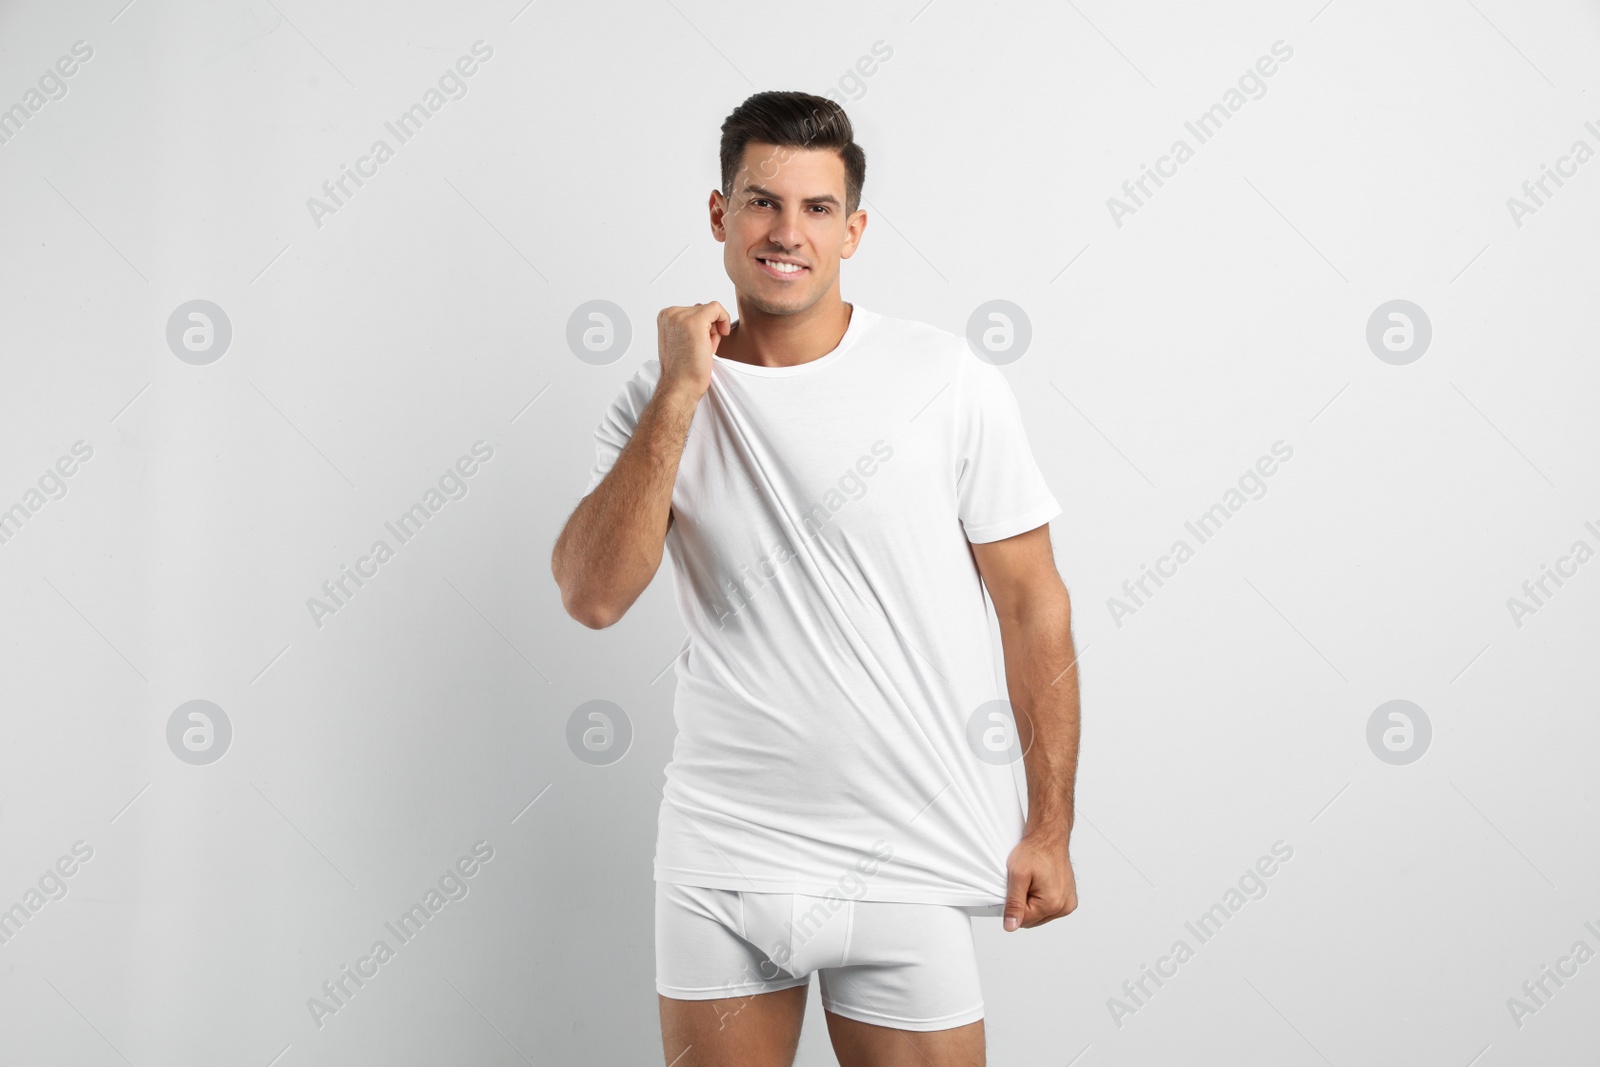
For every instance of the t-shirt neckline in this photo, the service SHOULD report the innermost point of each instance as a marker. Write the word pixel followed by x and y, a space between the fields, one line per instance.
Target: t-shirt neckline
pixel 858 317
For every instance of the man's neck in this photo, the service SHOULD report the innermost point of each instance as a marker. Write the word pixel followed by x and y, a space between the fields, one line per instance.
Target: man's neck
pixel 764 340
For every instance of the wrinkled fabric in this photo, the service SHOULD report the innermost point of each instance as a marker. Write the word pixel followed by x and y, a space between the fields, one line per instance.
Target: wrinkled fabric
pixel 839 647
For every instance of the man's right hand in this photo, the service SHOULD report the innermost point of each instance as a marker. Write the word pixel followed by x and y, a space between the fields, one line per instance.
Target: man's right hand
pixel 687 338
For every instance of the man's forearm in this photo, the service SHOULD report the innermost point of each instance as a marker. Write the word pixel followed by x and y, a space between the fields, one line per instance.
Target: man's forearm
pixel 1042 681
pixel 637 496
pixel 611 545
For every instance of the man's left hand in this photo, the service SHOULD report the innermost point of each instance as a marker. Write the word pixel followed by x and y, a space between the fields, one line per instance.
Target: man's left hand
pixel 1039 882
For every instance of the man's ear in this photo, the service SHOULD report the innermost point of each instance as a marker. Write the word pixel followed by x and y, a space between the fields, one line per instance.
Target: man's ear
pixel 853 241
pixel 718 208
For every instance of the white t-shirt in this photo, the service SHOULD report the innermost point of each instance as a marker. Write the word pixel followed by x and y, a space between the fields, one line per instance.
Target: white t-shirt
pixel 839 644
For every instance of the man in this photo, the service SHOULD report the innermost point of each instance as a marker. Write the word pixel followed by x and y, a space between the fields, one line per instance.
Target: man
pixel 837 487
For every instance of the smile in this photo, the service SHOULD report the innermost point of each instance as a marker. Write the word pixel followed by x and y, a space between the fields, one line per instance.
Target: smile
pixel 782 270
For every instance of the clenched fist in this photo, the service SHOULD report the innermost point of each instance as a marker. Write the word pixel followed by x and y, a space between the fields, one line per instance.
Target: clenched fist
pixel 687 338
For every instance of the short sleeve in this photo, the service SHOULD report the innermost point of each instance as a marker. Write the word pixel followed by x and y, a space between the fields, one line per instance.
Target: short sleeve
pixel 1000 490
pixel 620 419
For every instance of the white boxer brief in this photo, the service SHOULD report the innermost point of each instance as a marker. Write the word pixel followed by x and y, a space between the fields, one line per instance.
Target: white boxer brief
pixel 909 966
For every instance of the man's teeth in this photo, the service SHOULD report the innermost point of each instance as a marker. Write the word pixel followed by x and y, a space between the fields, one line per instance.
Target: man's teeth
pixel 784 268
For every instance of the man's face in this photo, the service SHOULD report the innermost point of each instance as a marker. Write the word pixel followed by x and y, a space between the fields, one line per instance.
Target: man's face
pixel 786 207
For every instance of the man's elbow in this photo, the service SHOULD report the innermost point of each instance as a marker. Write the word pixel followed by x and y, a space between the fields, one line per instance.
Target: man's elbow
pixel 589 611
pixel 596 619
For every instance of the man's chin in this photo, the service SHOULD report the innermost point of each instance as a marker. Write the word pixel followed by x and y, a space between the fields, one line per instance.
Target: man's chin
pixel 763 301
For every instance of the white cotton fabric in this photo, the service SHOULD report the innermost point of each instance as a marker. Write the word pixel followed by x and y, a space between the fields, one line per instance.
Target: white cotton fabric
pixel 838 639
pixel 888 963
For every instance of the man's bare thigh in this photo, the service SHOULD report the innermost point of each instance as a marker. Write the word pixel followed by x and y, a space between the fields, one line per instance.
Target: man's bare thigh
pixel 756 1031
pixel 764 1031
pixel 858 1044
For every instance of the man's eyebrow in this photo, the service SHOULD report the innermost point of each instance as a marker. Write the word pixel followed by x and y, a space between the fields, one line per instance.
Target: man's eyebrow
pixel 757 190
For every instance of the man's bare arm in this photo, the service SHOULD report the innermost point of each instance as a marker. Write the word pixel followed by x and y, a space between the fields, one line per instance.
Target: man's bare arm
pixel 611 545
pixel 1035 616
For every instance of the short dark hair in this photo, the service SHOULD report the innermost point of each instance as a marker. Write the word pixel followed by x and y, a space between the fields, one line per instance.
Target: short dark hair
pixel 793 120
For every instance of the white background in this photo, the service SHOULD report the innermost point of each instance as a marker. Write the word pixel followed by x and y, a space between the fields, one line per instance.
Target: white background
pixel 430 311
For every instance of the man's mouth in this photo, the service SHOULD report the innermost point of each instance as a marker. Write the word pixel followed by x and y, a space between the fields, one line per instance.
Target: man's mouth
pixel 781 269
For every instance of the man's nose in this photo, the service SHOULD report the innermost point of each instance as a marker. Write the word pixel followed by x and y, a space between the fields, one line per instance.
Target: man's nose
pixel 786 232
